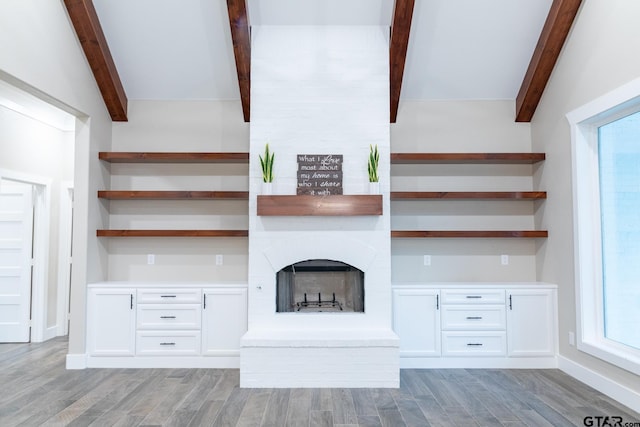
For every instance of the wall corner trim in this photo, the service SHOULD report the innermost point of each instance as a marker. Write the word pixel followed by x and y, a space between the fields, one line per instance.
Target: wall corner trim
pixel 76 361
pixel 605 385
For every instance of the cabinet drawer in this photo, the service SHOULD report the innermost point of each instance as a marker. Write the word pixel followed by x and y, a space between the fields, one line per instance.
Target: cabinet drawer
pixel 474 344
pixel 470 296
pixel 169 296
pixel 166 343
pixel 473 317
pixel 168 316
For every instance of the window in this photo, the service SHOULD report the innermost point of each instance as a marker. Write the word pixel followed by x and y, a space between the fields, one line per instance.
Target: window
pixel 606 172
pixel 619 164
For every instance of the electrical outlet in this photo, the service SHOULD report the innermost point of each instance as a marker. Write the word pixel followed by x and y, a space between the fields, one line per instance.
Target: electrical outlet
pixel 219 259
pixel 572 338
pixel 427 260
pixel 504 259
pixel 151 259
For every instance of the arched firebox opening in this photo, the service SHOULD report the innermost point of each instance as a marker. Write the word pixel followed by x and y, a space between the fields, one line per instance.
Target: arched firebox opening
pixel 320 285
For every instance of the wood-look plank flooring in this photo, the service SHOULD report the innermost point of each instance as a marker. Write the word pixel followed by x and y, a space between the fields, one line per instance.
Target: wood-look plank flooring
pixel 36 389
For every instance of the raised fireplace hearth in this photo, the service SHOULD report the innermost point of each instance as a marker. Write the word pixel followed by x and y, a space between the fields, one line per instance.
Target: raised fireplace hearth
pixel 318 286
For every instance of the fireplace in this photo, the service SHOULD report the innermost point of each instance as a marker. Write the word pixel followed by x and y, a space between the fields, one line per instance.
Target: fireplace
pixel 346 341
pixel 320 285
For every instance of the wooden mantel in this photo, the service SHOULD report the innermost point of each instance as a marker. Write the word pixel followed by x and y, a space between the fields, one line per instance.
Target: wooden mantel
pixel 336 205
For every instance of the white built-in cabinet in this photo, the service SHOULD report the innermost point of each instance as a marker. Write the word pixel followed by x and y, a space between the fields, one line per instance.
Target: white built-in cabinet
pixel 111 322
pixel 168 322
pixel 420 330
pixel 531 320
pixel 165 326
pixel 476 324
pixel 224 321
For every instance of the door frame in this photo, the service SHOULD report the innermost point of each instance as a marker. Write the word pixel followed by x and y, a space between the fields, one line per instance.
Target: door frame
pixel 64 257
pixel 41 219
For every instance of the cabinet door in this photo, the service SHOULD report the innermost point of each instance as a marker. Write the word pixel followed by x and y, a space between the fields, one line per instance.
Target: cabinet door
pixel 224 321
pixel 416 320
pixel 111 322
pixel 531 322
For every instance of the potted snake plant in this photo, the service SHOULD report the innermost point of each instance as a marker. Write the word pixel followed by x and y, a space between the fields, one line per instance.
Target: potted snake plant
pixel 266 164
pixel 372 169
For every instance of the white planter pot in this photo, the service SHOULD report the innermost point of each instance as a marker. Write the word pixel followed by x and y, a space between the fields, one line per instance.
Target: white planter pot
pixel 267 188
pixel 374 188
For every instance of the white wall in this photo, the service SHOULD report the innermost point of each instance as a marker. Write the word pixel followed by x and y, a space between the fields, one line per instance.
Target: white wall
pixel 462 126
pixel 597 57
pixel 31 147
pixel 40 53
pixel 201 126
pixel 488 126
pixel 422 126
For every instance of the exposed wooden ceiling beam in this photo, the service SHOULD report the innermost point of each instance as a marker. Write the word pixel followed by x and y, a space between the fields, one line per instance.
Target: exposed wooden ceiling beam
pixel 400 28
pixel 87 25
pixel 554 33
pixel 240 34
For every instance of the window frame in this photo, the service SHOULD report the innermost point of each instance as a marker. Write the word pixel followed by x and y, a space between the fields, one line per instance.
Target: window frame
pixel 584 122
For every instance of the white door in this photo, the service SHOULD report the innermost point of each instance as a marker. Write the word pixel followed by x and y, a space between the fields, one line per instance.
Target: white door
pixel 16 232
pixel 65 259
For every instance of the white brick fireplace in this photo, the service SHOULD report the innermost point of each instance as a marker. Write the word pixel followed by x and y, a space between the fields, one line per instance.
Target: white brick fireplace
pixel 319 90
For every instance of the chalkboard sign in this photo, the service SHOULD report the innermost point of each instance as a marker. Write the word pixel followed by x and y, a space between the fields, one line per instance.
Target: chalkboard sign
pixel 319 174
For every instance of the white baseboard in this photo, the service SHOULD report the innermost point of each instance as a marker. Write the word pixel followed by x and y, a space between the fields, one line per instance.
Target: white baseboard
pixel 50 332
pixel 614 390
pixel 478 362
pixel 163 362
pixel 76 361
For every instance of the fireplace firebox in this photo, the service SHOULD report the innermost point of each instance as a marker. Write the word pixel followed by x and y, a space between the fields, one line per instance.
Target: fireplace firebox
pixel 320 285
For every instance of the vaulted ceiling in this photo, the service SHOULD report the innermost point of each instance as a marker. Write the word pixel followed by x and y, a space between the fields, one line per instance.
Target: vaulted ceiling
pixel 457 49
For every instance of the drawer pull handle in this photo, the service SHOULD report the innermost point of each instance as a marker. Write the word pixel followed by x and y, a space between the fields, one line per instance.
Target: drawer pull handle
pixel 474 296
pixel 474 318
pixel 167 317
pixel 167 343
pixel 167 296
pixel 474 344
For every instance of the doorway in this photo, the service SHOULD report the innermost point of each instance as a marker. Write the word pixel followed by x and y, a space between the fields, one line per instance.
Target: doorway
pixel 37 141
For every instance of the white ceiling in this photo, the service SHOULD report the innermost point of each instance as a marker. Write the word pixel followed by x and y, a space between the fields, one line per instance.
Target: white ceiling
pixel 458 49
